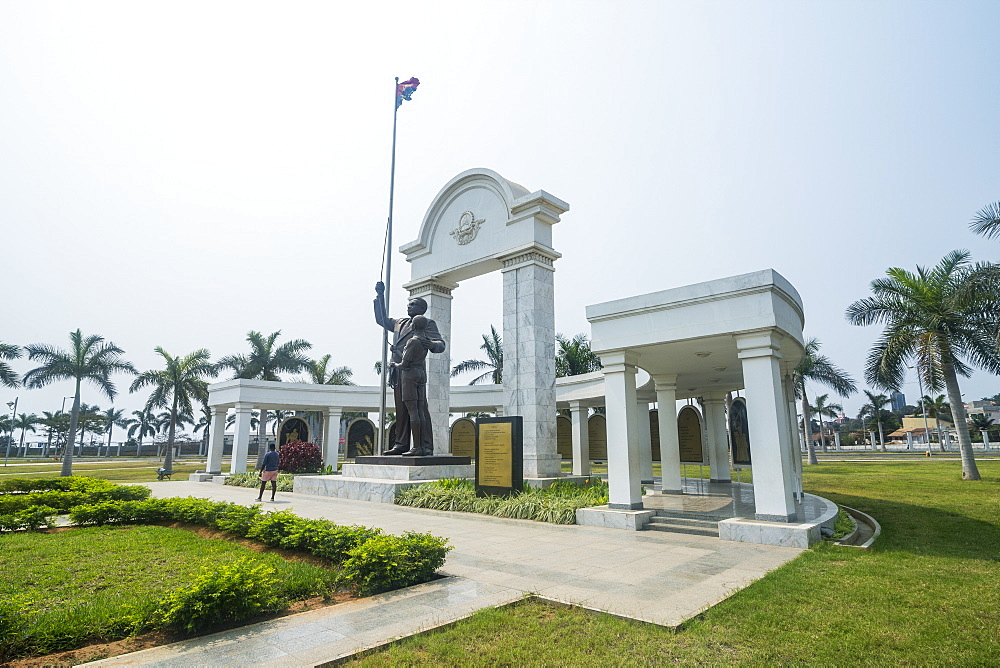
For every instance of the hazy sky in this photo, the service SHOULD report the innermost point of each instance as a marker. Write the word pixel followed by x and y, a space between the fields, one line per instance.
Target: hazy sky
pixel 179 173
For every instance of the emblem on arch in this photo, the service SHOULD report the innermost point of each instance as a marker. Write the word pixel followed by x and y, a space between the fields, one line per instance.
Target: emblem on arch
pixel 468 228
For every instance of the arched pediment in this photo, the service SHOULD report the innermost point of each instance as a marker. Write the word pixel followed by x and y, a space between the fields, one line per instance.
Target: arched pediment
pixel 478 218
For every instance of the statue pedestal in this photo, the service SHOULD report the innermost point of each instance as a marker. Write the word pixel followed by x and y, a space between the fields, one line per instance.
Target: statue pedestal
pixel 400 460
pixel 380 479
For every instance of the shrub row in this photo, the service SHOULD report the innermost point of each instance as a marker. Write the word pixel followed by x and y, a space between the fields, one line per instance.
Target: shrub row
pixel 22 494
pixel 556 504
pixel 388 563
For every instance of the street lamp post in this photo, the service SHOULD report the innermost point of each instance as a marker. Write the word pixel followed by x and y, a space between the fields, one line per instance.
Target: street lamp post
pixel 12 405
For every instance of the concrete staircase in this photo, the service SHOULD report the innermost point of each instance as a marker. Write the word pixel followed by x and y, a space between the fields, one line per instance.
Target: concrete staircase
pixel 680 522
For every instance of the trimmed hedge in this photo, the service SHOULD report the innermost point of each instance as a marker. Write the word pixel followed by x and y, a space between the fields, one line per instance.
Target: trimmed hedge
pixel 371 561
pixel 63 493
pixel 556 504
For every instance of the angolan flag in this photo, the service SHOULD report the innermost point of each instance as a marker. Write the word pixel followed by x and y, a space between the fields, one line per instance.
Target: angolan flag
pixel 405 90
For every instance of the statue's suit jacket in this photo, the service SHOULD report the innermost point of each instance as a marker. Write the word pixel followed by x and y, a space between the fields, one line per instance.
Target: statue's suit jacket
pixel 402 331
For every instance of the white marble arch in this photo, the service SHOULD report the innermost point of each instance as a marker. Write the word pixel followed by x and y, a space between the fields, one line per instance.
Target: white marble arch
pixel 478 223
pixel 741 332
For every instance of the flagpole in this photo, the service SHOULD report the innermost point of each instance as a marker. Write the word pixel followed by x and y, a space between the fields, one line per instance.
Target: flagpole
pixel 379 447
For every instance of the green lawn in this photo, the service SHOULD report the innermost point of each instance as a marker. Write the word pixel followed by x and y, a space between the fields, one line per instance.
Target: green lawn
pixel 90 583
pixel 927 593
pixel 109 469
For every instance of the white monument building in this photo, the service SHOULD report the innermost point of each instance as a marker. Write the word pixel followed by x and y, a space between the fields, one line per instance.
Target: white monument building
pixel 707 343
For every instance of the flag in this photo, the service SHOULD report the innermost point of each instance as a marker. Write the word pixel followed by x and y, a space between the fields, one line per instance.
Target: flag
pixel 405 90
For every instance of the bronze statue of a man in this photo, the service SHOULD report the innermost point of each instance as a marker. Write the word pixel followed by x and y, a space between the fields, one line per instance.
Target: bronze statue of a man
pixel 409 441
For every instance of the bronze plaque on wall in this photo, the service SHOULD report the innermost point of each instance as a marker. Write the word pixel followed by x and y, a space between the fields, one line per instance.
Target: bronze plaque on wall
pixel 463 438
pixel 739 432
pixel 293 430
pixel 360 438
pixel 689 434
pixel 654 433
pixel 499 456
pixel 564 437
pixel 597 434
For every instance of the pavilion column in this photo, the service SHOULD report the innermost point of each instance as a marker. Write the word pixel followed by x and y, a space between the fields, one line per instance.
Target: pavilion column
pixel 499 411
pixel 718 440
pixel 581 438
pixel 767 415
pixel 437 294
pixel 241 442
pixel 645 437
pixel 529 368
pixel 331 436
pixel 670 444
pixel 624 481
pixel 217 442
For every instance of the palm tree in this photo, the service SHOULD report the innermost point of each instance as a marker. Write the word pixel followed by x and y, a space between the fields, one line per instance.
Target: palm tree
pixel 55 425
pixel 987 221
pixel 91 420
pixel 26 422
pixel 143 424
pixel 874 408
pixel 8 351
pixel 175 386
pixel 321 374
pixel 113 418
pixel 822 408
pixel 493 365
pixel 819 369
pixel 941 318
pixel 265 362
pixel 574 356
pixel 937 407
pixel 89 358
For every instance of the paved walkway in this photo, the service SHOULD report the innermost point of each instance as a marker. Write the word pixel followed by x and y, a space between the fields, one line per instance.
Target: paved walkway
pixel 651 576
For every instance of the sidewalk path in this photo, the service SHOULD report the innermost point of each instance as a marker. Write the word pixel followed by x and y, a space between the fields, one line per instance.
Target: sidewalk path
pixel 651 576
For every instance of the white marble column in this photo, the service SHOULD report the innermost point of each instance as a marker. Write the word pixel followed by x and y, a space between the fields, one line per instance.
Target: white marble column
pixel 217 442
pixel 331 436
pixel 437 294
pixel 643 433
pixel 581 438
pixel 717 440
pixel 767 415
pixel 624 482
pixel 529 371
pixel 241 441
pixel 670 444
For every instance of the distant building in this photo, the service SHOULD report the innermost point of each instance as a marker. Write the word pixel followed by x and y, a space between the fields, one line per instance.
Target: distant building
pixel 898 400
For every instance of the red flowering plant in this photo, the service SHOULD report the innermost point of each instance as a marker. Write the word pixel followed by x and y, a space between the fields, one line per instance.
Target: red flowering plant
pixel 299 457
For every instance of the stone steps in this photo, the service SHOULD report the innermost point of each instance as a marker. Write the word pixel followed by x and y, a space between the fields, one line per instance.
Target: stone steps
pixel 688 525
